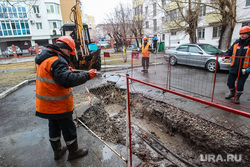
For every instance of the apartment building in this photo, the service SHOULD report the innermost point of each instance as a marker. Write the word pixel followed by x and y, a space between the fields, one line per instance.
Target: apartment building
pixel 34 21
pixel 159 17
pixel 90 21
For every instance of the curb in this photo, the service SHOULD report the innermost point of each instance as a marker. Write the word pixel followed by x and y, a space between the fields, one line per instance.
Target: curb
pixel 26 82
pixel 13 89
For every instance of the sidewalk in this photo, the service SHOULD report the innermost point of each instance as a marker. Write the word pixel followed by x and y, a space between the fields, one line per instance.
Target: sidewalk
pixel 24 140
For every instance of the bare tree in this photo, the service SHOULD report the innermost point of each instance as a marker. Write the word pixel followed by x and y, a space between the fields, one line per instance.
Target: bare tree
pixel 224 10
pixel 119 23
pixel 136 25
pixel 185 17
pixel 227 13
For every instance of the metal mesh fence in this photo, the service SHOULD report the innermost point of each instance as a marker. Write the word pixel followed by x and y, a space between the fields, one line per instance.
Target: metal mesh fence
pixel 156 110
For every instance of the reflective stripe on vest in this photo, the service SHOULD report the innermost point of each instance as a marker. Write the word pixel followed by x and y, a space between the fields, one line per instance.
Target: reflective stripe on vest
pixel 45 79
pixel 145 52
pixel 54 98
pixel 51 98
pixel 246 62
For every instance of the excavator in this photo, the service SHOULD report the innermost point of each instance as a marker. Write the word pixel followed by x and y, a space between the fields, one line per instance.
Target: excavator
pixel 87 55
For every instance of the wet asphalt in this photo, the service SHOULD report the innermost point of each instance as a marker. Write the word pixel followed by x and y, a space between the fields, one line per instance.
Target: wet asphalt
pixel 24 137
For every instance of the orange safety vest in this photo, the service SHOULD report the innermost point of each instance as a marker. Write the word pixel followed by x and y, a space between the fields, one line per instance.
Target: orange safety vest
pixel 51 98
pixel 246 62
pixel 145 51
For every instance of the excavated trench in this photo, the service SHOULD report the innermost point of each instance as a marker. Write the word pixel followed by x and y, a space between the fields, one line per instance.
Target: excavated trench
pixel 162 134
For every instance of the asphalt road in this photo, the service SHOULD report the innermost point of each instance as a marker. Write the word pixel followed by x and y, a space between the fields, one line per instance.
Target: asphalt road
pixel 24 137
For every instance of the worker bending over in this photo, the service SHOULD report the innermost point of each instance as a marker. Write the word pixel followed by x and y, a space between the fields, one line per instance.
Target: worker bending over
pixel 54 99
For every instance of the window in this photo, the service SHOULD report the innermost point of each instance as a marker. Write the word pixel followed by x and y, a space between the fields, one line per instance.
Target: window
pixel 14 27
pixel 247 2
pixel 201 33
pixel 163 2
pixel 163 19
pixel 53 8
pixel 154 9
pixel 55 24
pixel 245 24
pixel 163 37
pixel 183 48
pixel 39 26
pixel 155 25
pixel 12 12
pixel 57 9
pixel 35 9
pixel 216 32
pixel 202 11
pixel 172 15
pixel 194 49
pixel 146 10
pixel 173 32
pixel 147 26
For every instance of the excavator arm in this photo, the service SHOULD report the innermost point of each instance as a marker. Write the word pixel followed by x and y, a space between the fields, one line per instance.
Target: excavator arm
pixel 84 57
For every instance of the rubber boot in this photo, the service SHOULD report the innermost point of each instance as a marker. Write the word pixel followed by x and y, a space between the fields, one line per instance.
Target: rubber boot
pixel 74 152
pixel 237 98
pixel 58 149
pixel 230 95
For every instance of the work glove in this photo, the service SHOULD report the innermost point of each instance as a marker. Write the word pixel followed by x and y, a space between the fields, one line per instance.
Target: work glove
pixel 92 73
pixel 246 71
pixel 71 69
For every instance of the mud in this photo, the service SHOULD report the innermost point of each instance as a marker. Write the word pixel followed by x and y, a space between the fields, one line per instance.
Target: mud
pixel 186 135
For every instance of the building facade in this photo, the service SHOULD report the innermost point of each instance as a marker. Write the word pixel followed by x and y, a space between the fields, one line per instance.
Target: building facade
pixel 26 23
pixel 90 21
pixel 159 17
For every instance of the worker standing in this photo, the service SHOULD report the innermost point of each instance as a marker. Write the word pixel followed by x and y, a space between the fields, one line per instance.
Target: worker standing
pixel 146 49
pixel 240 48
pixel 54 99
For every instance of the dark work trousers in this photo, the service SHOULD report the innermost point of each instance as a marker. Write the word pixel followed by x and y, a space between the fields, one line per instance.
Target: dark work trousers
pixel 66 126
pixel 145 62
pixel 231 81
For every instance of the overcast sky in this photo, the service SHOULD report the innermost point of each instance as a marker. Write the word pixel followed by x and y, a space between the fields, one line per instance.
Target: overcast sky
pixel 99 8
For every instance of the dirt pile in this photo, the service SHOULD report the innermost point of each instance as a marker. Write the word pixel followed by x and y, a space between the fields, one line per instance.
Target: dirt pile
pixel 108 119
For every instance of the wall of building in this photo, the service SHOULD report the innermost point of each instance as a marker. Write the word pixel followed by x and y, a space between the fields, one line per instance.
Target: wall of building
pixel 27 25
pixel 180 37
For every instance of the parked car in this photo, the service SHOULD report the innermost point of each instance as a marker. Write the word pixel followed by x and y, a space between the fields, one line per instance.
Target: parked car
pixel 103 44
pixel 200 55
pixel 133 47
pixel 32 49
pixel 8 51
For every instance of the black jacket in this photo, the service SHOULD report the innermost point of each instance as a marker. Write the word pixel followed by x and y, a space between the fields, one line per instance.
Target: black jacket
pixel 240 52
pixel 60 68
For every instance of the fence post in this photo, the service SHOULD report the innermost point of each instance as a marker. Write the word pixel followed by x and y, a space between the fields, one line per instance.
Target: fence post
pixel 14 51
pixel 215 72
pixel 129 121
pixel 36 48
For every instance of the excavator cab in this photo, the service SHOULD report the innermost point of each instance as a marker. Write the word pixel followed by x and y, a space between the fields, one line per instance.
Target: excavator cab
pixel 85 57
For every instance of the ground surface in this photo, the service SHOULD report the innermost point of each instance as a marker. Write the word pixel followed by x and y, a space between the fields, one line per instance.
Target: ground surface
pixel 11 75
pixel 186 135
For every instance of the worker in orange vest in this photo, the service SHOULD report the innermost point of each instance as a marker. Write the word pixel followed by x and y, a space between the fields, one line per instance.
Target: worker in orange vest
pixel 54 99
pixel 240 48
pixel 146 49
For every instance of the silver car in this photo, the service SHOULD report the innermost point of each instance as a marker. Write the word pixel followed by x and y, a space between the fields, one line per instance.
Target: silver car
pixel 8 52
pixel 199 55
pixel 103 44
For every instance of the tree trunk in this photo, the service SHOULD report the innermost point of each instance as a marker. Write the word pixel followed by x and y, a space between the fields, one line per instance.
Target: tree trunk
pixel 226 36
